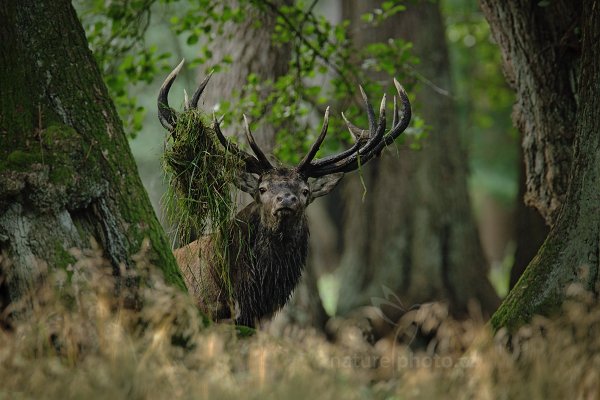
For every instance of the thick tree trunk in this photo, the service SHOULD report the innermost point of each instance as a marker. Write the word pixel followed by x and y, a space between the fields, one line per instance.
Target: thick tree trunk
pixel 414 232
pixel 539 48
pixel 553 59
pixel 66 171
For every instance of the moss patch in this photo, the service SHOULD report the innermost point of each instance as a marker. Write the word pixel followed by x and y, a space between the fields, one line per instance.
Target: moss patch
pixel 530 295
pixel 62 258
pixel 59 148
pixel 19 160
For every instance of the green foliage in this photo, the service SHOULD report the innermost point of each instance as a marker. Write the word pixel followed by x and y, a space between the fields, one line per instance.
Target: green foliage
pixel 319 47
pixel 323 68
pixel 205 19
pixel 378 15
pixel 200 173
pixel 19 160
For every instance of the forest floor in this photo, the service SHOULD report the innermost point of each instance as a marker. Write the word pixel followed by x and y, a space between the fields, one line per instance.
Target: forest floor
pixel 82 341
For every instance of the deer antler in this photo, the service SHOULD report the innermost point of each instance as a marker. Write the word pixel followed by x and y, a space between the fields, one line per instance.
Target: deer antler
pixel 168 119
pixel 369 143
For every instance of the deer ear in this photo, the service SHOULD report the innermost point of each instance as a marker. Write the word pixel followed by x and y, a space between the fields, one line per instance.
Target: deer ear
pixel 247 182
pixel 324 184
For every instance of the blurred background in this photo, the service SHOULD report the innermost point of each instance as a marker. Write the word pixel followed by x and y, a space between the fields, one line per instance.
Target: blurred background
pixel 438 217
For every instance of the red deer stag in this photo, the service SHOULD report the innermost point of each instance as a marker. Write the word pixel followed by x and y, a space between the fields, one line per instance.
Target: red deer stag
pixel 267 247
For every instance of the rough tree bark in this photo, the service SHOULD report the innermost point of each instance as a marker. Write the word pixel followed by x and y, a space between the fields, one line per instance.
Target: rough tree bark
pixel 414 232
pixel 552 59
pixel 66 171
pixel 539 48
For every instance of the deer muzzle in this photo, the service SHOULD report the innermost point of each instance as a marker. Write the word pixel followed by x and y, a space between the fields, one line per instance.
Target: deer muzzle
pixel 286 204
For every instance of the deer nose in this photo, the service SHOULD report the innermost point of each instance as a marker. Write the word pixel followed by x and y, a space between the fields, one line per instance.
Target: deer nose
pixel 287 198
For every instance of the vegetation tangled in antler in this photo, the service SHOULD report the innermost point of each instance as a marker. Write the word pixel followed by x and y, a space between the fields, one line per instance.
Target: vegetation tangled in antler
pixel 199 174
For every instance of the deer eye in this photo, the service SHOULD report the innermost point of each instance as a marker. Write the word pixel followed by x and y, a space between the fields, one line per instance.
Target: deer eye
pixel 305 192
pixel 262 190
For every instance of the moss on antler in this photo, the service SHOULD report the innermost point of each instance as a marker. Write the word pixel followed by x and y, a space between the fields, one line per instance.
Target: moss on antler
pixel 199 173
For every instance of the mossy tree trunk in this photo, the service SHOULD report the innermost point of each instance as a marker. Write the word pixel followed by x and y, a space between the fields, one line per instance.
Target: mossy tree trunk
pixel 66 170
pixel 414 233
pixel 539 48
pixel 552 59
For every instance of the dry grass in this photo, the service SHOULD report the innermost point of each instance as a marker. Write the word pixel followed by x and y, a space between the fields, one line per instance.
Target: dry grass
pixel 80 341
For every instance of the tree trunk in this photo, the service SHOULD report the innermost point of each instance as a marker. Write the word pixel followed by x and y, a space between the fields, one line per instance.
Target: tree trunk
pixel 414 233
pixel 552 59
pixel 252 50
pixel 539 48
pixel 66 171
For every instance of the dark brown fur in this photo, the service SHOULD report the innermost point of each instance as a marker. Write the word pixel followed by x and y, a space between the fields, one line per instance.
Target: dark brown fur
pixel 265 252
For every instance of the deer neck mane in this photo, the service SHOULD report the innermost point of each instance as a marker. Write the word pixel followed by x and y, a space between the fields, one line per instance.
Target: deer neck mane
pixel 270 266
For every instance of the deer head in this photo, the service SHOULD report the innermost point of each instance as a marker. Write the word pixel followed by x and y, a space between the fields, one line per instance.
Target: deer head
pixel 285 192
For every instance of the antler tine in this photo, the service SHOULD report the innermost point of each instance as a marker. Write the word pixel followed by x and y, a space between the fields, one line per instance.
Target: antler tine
pixel 252 164
pixel 382 110
pixel 395 118
pixel 395 114
pixel 255 148
pixel 186 100
pixel 166 115
pixel 222 139
pixel 168 119
pixel 351 159
pixel 198 92
pixel 356 132
pixel 378 133
pixel 351 156
pixel 373 140
pixel 360 135
pixel 317 144
pixel 370 111
pixel 401 126
pixel 405 101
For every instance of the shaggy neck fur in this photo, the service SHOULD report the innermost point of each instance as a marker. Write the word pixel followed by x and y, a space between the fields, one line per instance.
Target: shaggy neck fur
pixel 276 254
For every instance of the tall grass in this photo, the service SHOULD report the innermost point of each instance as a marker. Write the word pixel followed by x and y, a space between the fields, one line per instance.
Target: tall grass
pixel 200 174
pixel 79 338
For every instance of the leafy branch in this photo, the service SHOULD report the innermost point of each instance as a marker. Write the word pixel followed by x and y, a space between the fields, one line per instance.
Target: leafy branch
pixel 322 52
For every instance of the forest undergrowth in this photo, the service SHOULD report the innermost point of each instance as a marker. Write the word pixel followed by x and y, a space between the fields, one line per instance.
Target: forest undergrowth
pixel 85 334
